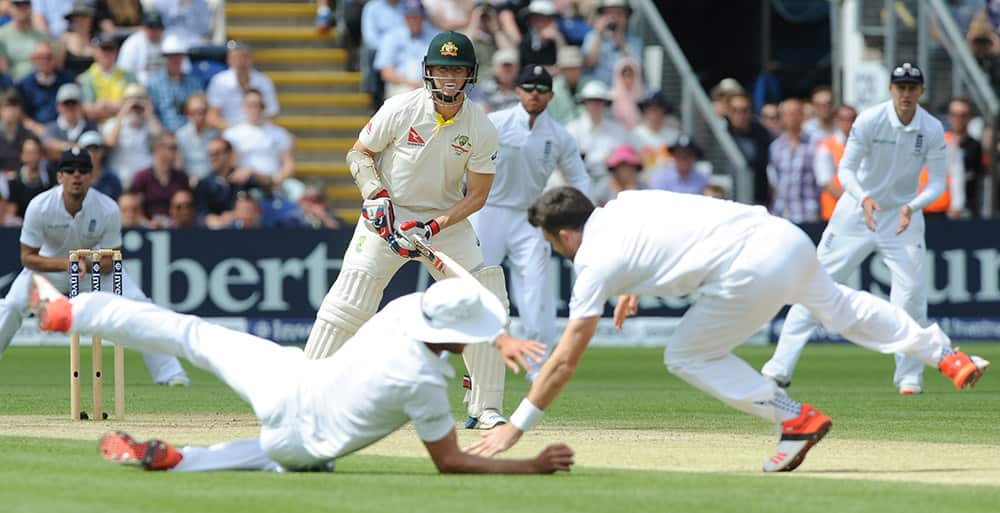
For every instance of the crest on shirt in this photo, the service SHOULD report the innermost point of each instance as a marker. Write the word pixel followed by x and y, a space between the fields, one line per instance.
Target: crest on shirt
pixel 414 138
pixel 449 49
pixel 92 226
pixel 461 145
pixel 918 145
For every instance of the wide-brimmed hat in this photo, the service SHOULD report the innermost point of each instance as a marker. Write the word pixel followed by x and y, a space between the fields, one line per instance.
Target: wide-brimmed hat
pixel 173 45
pixel 90 138
pixel 539 7
pixel 624 155
pixel 604 4
pixel 594 90
pixel 455 311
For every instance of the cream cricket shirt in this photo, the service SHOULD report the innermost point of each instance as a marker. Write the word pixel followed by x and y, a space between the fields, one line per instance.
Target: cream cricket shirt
pixel 423 158
pixel 657 243
pixel 49 227
pixel 380 380
pixel 528 156
pixel 883 159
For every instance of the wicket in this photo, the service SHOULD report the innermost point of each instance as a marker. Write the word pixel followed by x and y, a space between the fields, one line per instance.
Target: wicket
pixel 97 361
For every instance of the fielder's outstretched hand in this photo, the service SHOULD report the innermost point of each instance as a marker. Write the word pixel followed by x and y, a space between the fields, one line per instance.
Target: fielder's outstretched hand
pixel 627 307
pixel 515 350
pixel 554 458
pixel 496 440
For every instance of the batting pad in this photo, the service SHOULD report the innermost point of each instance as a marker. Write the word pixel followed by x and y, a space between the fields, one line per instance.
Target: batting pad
pixel 483 360
pixel 351 301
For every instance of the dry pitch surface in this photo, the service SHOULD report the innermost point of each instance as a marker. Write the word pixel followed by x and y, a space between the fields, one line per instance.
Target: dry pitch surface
pixel 601 448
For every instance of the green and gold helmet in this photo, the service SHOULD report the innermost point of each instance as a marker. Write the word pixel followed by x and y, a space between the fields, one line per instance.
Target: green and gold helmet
pixel 450 49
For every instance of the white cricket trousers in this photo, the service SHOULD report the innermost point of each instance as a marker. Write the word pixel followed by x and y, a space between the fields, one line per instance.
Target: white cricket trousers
pixel 14 308
pixel 841 251
pixel 261 372
pixel 505 233
pixel 776 266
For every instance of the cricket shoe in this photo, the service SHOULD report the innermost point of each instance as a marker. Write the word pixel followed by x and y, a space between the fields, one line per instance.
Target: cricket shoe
pixel 963 370
pixel 54 311
pixel 910 389
pixel 118 447
pixel 488 419
pixel 797 437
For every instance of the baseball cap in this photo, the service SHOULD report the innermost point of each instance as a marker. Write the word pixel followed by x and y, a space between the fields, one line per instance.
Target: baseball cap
pixel 90 138
pixel 535 74
pixel 68 92
pixel 685 143
pixel 80 8
pixel 413 8
pixel 104 40
pixel 604 4
pixel 152 19
pixel 74 158
pixel 907 73
pixel 594 90
pixel 506 56
pixel 624 155
pixel 454 310
pixel 569 56
pixel 655 98
pixel 173 45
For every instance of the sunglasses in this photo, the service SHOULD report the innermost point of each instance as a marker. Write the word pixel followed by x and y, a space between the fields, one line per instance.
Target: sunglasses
pixel 906 70
pixel 541 89
pixel 75 170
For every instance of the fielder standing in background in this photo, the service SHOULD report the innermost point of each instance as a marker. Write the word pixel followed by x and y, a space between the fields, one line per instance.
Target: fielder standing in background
pixel 67 217
pixel 744 265
pixel 532 146
pixel 424 163
pixel 880 210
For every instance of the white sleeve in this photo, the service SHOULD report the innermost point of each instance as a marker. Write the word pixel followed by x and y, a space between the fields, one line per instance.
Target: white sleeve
pixel 128 56
pixel 484 151
pixel 215 94
pixel 936 171
pixel 112 236
pixel 858 145
pixel 32 230
pixel 380 131
pixel 590 291
pixel 429 411
pixel 823 167
pixel 956 177
pixel 283 139
pixel 270 98
pixel 573 169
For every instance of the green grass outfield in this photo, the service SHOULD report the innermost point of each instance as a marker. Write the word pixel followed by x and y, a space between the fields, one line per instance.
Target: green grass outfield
pixel 615 388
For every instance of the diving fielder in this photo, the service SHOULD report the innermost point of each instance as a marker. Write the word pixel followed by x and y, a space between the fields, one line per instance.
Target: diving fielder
pixel 532 146
pixel 410 163
pixel 745 265
pixel 70 216
pixel 880 210
pixel 313 411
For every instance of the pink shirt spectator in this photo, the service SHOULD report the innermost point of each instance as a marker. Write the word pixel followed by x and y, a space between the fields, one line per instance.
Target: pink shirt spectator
pixel 626 93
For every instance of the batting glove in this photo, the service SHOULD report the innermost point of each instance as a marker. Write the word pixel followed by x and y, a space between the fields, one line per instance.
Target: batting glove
pixel 378 215
pixel 425 230
pixel 401 246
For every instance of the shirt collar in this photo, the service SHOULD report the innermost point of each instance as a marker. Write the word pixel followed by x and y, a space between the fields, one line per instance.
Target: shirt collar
pixel 914 125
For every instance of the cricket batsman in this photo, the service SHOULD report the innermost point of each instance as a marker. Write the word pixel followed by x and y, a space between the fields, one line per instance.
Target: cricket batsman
pixel 423 164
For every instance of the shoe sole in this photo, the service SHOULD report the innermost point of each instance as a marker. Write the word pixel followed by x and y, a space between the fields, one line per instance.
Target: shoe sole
pixel 801 456
pixel 117 447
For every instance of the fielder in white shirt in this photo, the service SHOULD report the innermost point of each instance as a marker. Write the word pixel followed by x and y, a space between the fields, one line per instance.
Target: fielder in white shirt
pixel 314 411
pixel 744 264
pixel 423 164
pixel 880 210
pixel 532 147
pixel 72 216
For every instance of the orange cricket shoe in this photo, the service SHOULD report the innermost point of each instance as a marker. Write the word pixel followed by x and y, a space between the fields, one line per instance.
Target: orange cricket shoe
pixel 120 447
pixel 54 311
pixel 963 370
pixel 797 437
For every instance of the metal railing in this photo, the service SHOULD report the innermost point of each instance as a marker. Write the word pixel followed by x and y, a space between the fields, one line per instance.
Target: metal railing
pixel 682 87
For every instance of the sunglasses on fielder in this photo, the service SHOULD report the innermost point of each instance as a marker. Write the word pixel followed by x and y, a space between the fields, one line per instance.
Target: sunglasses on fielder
pixel 541 89
pixel 76 170
pixel 906 70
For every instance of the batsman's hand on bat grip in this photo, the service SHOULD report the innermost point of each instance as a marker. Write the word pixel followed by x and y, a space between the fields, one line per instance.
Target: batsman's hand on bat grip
pixel 414 227
pixel 378 215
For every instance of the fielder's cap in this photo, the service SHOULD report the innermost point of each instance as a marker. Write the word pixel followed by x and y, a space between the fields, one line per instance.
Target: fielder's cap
pixel 594 90
pixel 539 7
pixel 907 73
pixel 656 99
pixel 624 155
pixel 68 93
pixel 80 8
pixel 535 74
pixel 173 45
pixel 74 158
pixel 454 310
pixel 135 91
pixel 450 49
pixel 685 144
pixel 605 4
pixel 569 56
pixel 152 19
pixel 104 40
pixel 413 8
pixel 20 1
pixel 90 138
pixel 506 56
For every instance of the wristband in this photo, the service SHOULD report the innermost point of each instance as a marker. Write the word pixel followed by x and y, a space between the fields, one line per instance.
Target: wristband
pixel 526 415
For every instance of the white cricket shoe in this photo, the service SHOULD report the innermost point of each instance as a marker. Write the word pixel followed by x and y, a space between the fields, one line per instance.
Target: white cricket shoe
pixel 488 419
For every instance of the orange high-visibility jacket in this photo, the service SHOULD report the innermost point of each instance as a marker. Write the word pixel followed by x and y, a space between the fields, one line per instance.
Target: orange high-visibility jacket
pixel 826 200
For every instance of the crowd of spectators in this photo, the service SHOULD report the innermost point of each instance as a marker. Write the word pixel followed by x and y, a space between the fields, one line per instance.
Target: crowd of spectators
pixel 175 146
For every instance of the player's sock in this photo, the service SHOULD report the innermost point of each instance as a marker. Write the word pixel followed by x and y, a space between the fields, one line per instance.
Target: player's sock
pixel 785 408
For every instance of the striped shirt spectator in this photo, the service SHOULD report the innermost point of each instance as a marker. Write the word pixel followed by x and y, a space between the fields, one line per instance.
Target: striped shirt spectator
pixel 790 168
